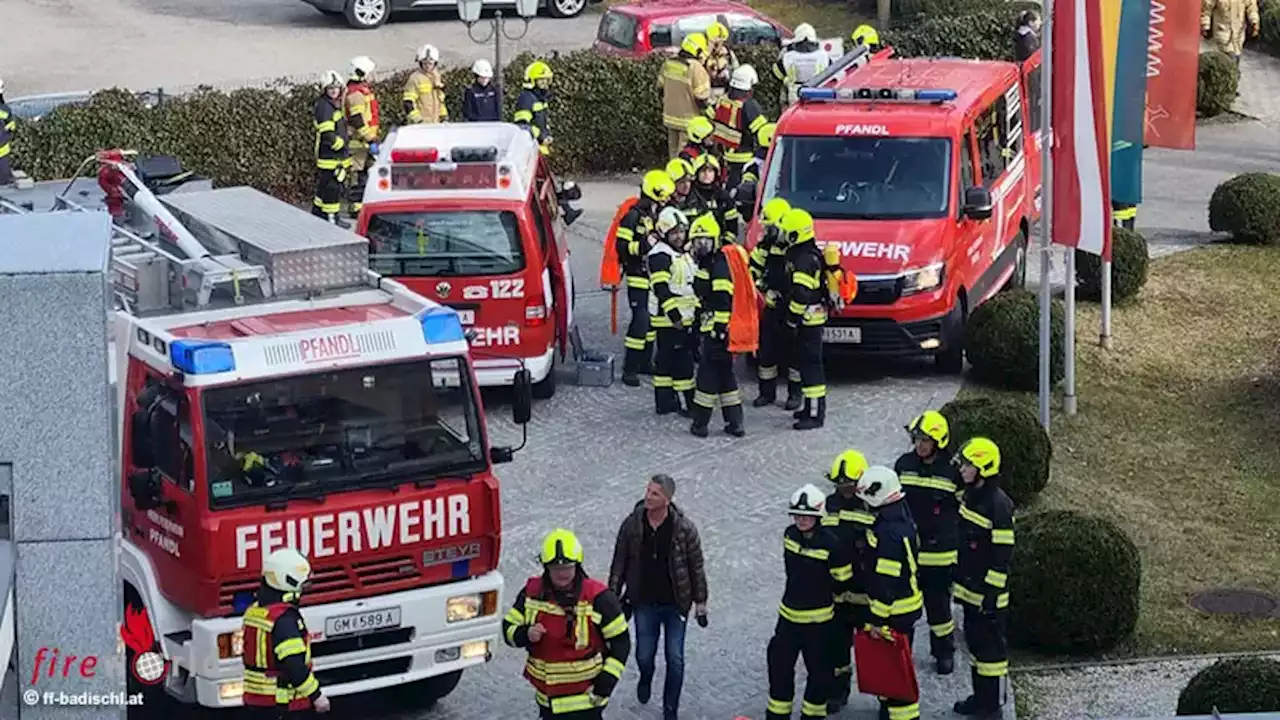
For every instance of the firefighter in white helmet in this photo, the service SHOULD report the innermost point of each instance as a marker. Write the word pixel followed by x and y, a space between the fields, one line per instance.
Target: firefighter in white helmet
pixel 7 128
pixel 364 123
pixel 736 118
pixel 891 585
pixel 424 90
pixel 480 101
pixel 332 158
pixel 278 681
pixel 800 61
pixel 818 568
pixel 672 310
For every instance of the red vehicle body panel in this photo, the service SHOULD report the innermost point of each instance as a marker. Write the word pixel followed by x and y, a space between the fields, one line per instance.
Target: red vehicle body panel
pixel 650 14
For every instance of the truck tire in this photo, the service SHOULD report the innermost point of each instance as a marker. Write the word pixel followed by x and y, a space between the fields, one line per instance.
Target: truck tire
pixel 950 360
pixel 1019 277
pixel 367 14
pixel 546 388
pixel 425 693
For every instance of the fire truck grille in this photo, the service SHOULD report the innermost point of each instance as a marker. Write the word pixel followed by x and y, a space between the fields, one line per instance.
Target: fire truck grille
pixel 877 292
pixel 363 671
pixel 326 580
pixel 368 641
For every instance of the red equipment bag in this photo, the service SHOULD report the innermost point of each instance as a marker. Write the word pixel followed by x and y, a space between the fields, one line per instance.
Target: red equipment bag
pixel 885 668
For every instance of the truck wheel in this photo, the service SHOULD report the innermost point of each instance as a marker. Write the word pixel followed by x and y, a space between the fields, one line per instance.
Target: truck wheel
pixel 425 693
pixel 951 360
pixel 367 14
pixel 546 389
pixel 565 8
pixel 1019 277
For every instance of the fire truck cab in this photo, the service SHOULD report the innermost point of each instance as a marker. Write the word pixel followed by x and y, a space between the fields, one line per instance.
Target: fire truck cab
pixel 469 215
pixel 925 174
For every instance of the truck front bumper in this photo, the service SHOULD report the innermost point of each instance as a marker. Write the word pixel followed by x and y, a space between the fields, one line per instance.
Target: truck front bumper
pixel 881 337
pixel 499 372
pixel 424 645
pixel 332 6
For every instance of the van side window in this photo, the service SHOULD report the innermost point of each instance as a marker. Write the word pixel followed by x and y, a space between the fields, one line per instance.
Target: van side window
pixel 994 151
pixel 966 162
pixel 171 439
pixel 540 220
pixel 1035 111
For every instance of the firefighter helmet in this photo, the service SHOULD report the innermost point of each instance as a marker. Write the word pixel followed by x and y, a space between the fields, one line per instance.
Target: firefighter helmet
pixel 798 223
pixel 865 35
pixel 764 136
pixel 706 160
pixel 427 53
pixel 717 32
pixel 670 219
pixel 805 33
pixel 808 500
pixel 700 128
pixel 774 209
pixel 330 79
pixel 744 78
pixel 931 424
pixel 538 70
pixel 560 547
pixel 879 486
pixel 705 227
pixel 679 169
pixel 981 453
pixel 482 68
pixel 362 67
pixel 695 44
pixel 286 570
pixel 847 468
pixel 657 186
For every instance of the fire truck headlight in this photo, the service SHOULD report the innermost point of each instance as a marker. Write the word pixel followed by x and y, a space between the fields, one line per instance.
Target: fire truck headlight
pixel 463 607
pixel 922 279
pixel 231 644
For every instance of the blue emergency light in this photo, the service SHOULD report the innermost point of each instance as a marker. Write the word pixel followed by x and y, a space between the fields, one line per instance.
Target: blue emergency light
pixel 201 357
pixel 441 325
pixel 875 95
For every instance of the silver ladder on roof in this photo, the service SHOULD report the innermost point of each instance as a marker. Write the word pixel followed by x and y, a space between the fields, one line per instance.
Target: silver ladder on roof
pixel 146 276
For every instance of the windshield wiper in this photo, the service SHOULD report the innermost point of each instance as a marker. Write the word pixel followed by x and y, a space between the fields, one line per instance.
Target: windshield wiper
pixel 424 475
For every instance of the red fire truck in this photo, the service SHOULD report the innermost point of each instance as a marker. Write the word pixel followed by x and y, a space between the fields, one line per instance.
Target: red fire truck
pixel 273 391
pixel 925 173
pixel 469 215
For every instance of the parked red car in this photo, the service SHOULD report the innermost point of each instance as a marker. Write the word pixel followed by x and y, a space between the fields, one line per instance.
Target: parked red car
pixel 646 26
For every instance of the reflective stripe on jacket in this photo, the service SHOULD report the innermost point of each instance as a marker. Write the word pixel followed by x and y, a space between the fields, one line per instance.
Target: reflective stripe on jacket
pixel 686 88
pixel 672 302
pixel 892 586
pixel 362 112
pixel 268 646
pixel 8 125
pixel 424 97
pixel 331 135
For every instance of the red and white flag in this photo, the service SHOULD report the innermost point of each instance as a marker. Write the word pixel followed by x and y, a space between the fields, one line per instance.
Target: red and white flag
pixel 1082 146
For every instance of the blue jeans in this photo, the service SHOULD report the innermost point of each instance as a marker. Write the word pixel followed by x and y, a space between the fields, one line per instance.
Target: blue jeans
pixel 650 620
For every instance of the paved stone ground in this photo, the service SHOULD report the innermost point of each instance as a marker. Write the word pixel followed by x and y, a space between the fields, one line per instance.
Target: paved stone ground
pixel 142 44
pixel 1259 86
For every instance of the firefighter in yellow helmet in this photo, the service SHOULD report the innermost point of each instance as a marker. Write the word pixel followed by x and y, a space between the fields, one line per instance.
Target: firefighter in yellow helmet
pixel 982 576
pixel 866 35
pixel 721 60
pixel 332 152
pixel 278 681
pixel 574 631
pixel 764 139
pixel 713 285
pixel 709 195
pixel 769 266
pixel 686 89
pixel 633 242
pixel 681 172
pixel 849 518
pixel 931 484
pixel 672 310
pixel 363 117
pixel 701 140
pixel 806 316
pixel 533 104
pixel 423 95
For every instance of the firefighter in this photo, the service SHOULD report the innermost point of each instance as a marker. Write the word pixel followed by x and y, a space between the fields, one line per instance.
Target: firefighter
pixel 982 577
pixel 701 139
pixel 849 519
pixel 751 174
pixel 866 35
pixel 892 587
pixel 8 125
pixel 769 265
pixel 532 109
pixel 633 242
pixel 929 480
pixel 799 62
pixel 574 631
pixel 278 681
pixel 681 172
pixel 709 197
pixel 332 160
pixel 686 89
pixel 721 60
pixel 362 118
pixel 736 118
pixel 1225 22
pixel 713 285
pixel 672 308
pixel 424 90
pixel 818 569
pixel 806 316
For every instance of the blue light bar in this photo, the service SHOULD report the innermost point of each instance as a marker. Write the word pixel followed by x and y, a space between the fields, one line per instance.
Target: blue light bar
pixel 201 357
pixel 817 94
pixel 936 95
pixel 441 325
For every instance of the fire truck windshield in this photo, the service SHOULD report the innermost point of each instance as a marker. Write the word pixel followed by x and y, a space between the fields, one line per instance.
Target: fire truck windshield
pixel 340 430
pixel 862 178
pixel 445 243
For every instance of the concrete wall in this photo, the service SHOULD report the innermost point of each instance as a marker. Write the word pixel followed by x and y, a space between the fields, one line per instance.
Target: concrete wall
pixel 56 441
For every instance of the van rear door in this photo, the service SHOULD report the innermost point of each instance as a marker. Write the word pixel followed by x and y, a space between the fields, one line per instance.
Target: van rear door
pixel 555 251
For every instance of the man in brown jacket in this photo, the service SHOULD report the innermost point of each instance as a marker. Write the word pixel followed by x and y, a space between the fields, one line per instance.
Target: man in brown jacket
pixel 658 561
pixel 1225 23
pixel 686 89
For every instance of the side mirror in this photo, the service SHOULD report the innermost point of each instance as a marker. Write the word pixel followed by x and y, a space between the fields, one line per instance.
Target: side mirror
pixel 977 203
pixel 140 440
pixel 522 397
pixel 569 192
pixel 500 455
pixel 144 487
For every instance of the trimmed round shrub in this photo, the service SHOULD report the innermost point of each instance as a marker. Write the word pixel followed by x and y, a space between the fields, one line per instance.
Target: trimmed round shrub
pixel 1248 207
pixel 1217 82
pixel 1129 260
pixel 1075 583
pixel 1234 685
pixel 1270 30
pixel 1002 341
pixel 1025 448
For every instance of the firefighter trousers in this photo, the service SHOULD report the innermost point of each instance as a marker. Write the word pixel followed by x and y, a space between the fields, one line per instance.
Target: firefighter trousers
pixel 935 584
pixel 774 356
pixel 813 378
pixel 6 171
pixel 985 636
pixel 849 617
pixel 329 189
pixel 716 382
pixel 812 641
pixel 676 139
pixel 673 370
pixel 640 336
pixel 357 177
pixel 593 714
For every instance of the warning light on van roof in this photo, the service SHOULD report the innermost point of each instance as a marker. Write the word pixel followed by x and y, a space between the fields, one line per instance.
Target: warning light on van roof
pixel 876 95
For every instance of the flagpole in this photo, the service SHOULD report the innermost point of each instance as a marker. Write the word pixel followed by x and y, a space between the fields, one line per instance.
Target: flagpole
pixel 1069 335
pixel 1046 204
pixel 1104 338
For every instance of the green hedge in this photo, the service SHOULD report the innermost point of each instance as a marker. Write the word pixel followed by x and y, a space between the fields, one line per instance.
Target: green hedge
pixel 1025 447
pixel 1271 27
pixel 1002 341
pixel 1129 260
pixel 1075 583
pixel 1248 207
pixel 1216 84
pixel 986 34
pixel 1234 685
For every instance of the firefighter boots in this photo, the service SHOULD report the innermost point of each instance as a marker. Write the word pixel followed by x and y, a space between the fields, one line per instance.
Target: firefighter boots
pixel 733 420
pixel 814 414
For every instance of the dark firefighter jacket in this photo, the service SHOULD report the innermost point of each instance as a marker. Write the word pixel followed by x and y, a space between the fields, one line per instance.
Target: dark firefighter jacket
pixel 769 267
pixel 717 201
pixel 891 585
pixel 713 284
pixel 633 243
pixel 931 490
pixel 331 133
pixel 818 569
pixel 806 299
pixel 480 103
pixel 531 113
pixel 850 520
pixel 283 670
pixel 986 546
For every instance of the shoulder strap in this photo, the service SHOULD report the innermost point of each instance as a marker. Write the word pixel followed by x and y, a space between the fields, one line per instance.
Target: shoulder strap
pixel 744 325
pixel 610 268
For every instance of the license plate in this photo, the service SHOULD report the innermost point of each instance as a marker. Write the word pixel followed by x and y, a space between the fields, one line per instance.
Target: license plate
pixel 842 335
pixel 364 622
pixel 467 317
